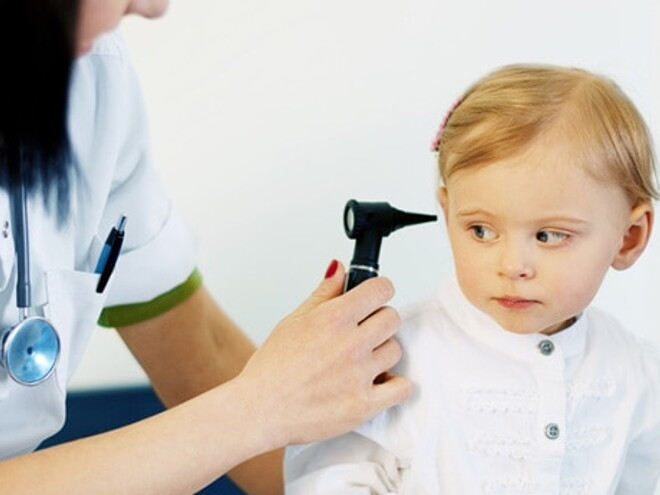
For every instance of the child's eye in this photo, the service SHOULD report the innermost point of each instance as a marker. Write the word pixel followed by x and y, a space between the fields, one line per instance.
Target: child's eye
pixel 483 233
pixel 550 237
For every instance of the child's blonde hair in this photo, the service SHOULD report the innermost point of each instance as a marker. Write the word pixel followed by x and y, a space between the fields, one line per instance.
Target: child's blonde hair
pixel 504 112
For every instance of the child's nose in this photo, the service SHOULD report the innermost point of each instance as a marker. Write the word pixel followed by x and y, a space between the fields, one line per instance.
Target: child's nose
pixel 516 261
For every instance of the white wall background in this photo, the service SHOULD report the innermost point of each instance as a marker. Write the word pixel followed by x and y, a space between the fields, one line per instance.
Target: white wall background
pixel 267 116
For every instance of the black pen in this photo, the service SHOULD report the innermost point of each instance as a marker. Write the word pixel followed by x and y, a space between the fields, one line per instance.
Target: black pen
pixel 110 253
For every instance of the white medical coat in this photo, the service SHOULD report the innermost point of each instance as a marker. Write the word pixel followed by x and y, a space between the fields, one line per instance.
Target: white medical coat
pixel 110 141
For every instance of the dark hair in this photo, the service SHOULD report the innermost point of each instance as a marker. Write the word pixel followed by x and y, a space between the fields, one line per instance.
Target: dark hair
pixel 37 43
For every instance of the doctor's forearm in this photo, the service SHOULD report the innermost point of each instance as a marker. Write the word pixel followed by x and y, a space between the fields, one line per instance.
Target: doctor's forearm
pixel 187 351
pixel 178 451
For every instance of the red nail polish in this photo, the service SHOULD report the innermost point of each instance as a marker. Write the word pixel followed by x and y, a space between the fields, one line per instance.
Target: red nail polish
pixel 332 269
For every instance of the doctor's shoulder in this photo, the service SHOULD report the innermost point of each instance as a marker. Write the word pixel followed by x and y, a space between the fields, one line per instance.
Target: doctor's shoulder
pixel 104 72
pixel 109 45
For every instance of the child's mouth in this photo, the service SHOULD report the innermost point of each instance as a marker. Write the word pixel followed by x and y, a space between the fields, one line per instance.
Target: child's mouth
pixel 515 302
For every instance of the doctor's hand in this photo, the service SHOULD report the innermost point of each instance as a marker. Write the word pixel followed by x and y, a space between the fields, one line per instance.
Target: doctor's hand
pixel 317 372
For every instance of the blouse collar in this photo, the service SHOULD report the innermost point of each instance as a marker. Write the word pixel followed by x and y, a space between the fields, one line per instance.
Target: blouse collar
pixel 483 328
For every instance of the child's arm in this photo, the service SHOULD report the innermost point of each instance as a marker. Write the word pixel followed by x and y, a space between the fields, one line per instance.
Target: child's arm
pixel 350 464
pixel 641 469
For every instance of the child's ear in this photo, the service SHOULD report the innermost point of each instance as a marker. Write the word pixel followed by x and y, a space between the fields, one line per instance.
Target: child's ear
pixel 636 237
pixel 443 199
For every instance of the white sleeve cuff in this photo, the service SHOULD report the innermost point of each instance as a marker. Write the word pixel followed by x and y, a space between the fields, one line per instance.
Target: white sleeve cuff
pixel 152 269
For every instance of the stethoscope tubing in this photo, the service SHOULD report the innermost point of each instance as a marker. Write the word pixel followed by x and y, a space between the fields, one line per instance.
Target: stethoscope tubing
pixel 22 246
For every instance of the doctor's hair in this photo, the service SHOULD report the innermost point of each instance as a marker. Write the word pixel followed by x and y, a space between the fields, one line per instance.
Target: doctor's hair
pixel 37 40
pixel 510 109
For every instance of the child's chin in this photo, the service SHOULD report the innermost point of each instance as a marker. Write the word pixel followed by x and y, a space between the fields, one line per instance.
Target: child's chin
pixel 518 326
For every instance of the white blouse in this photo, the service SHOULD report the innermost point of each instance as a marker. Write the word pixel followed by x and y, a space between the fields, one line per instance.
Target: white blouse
pixel 495 412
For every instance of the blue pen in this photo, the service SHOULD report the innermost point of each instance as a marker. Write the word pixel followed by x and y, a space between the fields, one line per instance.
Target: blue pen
pixel 110 253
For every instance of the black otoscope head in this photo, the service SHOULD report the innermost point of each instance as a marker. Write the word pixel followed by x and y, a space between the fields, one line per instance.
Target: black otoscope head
pixel 368 223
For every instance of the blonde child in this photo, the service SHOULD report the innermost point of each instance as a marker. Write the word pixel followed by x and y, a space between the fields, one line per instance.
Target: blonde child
pixel 521 387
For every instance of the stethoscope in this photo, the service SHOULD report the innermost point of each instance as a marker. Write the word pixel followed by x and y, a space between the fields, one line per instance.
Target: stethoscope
pixel 30 349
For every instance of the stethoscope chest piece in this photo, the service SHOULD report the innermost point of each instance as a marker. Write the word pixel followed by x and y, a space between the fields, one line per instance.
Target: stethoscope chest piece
pixel 30 351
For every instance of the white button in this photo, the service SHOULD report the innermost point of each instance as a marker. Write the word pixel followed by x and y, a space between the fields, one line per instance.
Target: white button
pixel 546 347
pixel 552 431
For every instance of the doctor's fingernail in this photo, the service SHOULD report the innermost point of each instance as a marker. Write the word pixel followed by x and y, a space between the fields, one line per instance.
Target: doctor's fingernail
pixel 332 268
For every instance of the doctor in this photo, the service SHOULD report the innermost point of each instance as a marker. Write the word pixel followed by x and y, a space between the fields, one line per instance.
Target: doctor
pixel 73 135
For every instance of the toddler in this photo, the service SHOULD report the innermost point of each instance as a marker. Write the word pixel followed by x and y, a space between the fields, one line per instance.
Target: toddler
pixel 547 180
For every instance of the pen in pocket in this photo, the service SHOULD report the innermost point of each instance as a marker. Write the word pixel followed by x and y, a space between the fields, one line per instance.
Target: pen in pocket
pixel 110 253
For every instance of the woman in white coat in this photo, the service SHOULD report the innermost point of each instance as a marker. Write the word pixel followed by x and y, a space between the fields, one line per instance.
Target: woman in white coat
pixel 73 135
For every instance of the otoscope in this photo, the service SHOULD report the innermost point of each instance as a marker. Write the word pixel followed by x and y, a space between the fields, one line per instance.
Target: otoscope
pixel 368 223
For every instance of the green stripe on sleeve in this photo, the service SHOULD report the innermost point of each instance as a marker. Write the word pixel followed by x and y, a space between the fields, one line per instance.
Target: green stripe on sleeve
pixel 128 314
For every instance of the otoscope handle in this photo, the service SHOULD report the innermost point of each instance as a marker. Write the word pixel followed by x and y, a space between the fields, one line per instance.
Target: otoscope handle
pixel 364 264
pixel 358 274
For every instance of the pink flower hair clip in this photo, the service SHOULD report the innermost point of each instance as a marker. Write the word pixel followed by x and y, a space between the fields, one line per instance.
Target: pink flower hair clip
pixel 435 145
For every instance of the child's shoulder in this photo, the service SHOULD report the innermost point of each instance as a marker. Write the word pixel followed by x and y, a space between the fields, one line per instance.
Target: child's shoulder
pixel 423 321
pixel 614 343
pixel 605 326
pixel 438 315
pixel 418 312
